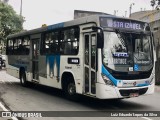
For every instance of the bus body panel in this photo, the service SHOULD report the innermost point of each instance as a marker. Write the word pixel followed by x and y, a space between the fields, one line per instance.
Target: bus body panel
pixel 14 63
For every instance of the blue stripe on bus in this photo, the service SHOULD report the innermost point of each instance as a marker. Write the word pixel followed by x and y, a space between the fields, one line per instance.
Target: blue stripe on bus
pixel 141 85
pixel 105 72
pixel 115 81
pixel 55 26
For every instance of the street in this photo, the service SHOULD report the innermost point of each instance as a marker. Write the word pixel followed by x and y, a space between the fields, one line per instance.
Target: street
pixel 41 98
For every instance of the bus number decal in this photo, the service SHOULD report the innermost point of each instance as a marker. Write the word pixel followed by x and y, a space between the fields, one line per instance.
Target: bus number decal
pixel 73 61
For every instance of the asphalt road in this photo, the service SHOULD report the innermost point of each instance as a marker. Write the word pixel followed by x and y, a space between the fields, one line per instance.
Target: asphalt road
pixel 39 98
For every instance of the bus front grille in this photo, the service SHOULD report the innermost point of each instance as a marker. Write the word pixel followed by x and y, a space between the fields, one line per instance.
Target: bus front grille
pixel 127 93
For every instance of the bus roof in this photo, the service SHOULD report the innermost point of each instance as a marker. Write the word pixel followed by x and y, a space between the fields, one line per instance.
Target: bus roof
pixel 78 21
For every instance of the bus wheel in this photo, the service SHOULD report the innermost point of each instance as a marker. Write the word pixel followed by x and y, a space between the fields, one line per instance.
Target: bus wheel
pixel 23 79
pixel 71 91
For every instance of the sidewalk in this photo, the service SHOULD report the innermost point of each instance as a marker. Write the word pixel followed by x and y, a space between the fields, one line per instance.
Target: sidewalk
pixel 4 77
pixel 157 88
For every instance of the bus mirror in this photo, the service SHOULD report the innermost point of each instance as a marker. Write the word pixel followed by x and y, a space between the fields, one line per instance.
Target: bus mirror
pixel 100 36
pixel 100 40
pixel 153 39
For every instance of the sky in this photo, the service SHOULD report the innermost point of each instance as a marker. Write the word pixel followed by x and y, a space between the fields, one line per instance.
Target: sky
pixel 38 12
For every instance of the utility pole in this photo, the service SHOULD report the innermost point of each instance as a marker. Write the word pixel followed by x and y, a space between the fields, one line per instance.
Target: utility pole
pixel 21 9
pixel 125 13
pixel 130 9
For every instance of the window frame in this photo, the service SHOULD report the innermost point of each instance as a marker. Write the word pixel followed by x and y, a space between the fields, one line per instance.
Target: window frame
pixel 20 50
pixel 61 41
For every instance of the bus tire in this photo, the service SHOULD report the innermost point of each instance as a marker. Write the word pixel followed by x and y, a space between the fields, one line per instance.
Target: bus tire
pixel 69 86
pixel 70 91
pixel 23 79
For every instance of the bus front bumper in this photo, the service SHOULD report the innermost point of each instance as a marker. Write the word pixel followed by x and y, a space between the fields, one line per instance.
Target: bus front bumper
pixel 104 91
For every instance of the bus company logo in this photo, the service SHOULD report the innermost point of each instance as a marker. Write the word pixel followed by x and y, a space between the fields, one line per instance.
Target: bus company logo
pixel 130 83
pixel 120 83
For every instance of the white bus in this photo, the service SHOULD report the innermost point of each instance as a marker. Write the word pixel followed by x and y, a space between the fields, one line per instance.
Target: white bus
pixel 101 56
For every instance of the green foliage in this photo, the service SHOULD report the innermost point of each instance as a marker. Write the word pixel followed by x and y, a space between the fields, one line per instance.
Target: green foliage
pixel 10 22
pixel 155 3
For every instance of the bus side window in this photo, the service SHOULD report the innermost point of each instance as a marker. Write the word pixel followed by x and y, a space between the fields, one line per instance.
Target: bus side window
pixel 15 47
pixel 10 47
pixel 54 44
pixel 70 43
pixel 50 43
pixel 20 47
pixel 26 45
pixel 64 42
pixel 75 39
pixel 46 42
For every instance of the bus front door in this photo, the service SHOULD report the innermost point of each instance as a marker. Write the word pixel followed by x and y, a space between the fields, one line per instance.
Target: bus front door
pixel 90 63
pixel 35 54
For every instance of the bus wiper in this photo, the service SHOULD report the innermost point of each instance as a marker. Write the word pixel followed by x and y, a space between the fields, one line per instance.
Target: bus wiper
pixel 138 50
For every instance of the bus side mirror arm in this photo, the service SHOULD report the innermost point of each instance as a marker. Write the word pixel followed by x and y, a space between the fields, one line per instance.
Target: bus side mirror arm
pixel 154 47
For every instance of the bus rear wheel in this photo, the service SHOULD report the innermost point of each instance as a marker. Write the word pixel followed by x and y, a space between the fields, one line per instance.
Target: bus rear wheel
pixel 23 79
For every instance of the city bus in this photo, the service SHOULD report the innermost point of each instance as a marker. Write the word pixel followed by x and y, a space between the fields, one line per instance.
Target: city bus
pixel 100 56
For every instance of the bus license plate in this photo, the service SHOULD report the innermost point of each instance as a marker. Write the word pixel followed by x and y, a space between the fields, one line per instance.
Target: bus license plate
pixel 134 95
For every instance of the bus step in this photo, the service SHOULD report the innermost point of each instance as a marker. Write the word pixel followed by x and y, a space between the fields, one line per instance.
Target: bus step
pixel 35 81
pixel 90 95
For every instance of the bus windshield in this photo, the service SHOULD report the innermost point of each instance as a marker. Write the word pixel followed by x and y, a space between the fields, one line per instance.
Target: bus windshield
pixel 127 51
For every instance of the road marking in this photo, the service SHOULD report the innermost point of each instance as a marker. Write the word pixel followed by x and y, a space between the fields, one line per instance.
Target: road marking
pixel 6 110
pixel 146 118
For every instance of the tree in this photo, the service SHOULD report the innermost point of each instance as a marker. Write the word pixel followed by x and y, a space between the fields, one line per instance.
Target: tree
pixel 155 3
pixel 10 22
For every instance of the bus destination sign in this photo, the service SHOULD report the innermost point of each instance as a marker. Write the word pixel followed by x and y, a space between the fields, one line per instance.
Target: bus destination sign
pixel 122 24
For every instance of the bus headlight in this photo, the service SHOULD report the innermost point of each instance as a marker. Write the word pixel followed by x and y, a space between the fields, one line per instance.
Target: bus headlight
pixel 152 80
pixel 107 80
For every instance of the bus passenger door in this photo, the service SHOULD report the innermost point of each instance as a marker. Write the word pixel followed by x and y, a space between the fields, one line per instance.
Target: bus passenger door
pixel 90 63
pixel 35 54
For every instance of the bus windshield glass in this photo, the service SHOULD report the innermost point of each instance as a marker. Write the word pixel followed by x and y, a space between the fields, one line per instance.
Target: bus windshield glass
pixel 127 51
